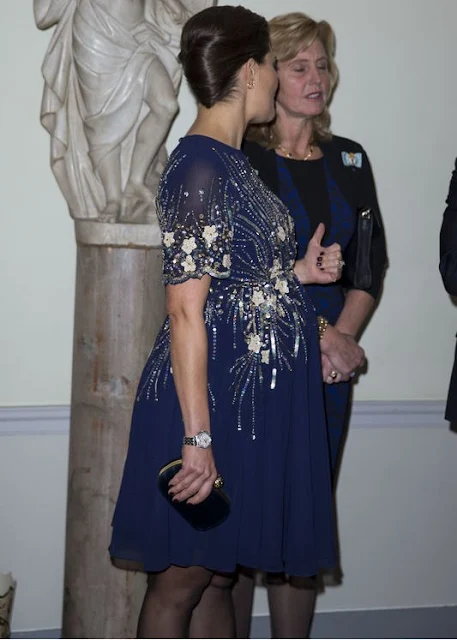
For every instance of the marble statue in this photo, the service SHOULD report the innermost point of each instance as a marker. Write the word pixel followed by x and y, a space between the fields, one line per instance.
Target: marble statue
pixel 110 96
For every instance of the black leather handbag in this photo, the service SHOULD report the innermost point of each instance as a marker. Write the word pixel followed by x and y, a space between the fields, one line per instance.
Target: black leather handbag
pixel 206 515
pixel 358 261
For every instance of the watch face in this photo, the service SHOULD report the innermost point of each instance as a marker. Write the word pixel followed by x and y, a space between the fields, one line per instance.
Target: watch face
pixel 203 440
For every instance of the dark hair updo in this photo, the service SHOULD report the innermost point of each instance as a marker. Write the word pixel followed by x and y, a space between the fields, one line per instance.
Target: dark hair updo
pixel 215 43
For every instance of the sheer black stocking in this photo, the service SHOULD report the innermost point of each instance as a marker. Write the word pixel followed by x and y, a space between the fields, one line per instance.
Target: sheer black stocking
pixel 214 616
pixel 243 599
pixel 171 596
pixel 291 602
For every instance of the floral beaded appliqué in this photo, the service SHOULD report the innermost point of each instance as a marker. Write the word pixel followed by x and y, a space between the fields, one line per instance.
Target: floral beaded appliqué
pixel 196 242
pixel 264 316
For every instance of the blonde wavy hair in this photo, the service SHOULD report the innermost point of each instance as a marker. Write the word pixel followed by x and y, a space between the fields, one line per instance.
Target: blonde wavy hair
pixel 289 34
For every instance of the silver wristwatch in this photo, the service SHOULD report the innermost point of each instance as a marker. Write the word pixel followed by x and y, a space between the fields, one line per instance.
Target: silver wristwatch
pixel 202 440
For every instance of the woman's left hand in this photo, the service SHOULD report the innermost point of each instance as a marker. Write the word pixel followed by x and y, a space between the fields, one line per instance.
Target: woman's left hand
pixel 320 265
pixel 329 374
pixel 327 368
pixel 340 356
pixel 193 483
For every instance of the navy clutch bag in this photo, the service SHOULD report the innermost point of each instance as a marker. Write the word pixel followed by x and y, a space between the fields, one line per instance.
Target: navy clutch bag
pixel 206 515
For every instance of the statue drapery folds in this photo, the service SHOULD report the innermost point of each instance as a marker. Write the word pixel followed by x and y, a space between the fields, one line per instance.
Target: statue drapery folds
pixel 110 96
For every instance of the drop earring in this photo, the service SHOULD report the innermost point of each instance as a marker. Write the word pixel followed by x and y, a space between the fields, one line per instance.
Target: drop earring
pixel 251 84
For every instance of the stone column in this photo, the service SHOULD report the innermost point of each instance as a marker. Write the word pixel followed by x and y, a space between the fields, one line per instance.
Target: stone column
pixel 119 308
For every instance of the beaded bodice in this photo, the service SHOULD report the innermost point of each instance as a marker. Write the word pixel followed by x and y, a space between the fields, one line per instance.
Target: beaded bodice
pixel 218 218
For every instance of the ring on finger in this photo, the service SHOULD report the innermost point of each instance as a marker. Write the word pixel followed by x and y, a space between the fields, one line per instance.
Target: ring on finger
pixel 334 375
pixel 341 264
pixel 219 482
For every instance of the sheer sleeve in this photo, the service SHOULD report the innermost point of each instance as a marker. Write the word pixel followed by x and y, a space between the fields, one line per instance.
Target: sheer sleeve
pixel 195 219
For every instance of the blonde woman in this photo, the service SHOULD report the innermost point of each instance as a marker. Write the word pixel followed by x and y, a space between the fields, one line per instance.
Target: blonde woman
pixel 321 178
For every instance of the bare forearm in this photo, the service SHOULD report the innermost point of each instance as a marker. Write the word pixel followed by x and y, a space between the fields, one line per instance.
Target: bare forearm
pixel 356 311
pixel 189 357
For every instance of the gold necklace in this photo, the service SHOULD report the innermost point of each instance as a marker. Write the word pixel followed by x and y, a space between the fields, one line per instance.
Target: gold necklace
pixel 292 157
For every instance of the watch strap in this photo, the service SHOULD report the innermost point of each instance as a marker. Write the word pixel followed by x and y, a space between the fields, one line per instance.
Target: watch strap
pixel 202 439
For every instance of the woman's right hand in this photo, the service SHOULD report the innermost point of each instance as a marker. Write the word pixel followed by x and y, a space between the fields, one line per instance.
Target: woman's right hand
pixel 320 265
pixel 193 483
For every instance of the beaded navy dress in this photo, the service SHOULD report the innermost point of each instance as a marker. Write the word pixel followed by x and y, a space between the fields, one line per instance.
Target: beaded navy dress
pixel 264 382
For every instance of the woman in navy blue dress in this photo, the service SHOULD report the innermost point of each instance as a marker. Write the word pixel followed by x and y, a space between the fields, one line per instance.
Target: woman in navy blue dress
pixel 232 384
pixel 321 178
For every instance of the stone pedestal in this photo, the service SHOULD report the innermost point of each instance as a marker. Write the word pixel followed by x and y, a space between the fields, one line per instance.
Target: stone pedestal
pixel 119 307
pixel 7 589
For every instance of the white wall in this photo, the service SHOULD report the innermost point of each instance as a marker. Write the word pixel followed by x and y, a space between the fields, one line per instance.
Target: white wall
pixel 398 97
pixel 33 471
pixel 397 521
pixel 38 252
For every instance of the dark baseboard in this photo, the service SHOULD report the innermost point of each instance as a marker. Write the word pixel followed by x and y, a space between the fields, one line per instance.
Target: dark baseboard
pixel 423 622
pixel 39 633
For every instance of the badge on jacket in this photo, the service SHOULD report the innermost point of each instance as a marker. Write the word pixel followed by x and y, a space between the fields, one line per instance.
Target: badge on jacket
pixel 351 159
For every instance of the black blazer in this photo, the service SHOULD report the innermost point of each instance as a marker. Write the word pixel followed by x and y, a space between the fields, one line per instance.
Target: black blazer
pixel 357 186
pixel 448 269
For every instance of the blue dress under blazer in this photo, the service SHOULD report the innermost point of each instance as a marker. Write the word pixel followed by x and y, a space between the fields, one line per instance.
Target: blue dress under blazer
pixel 330 190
